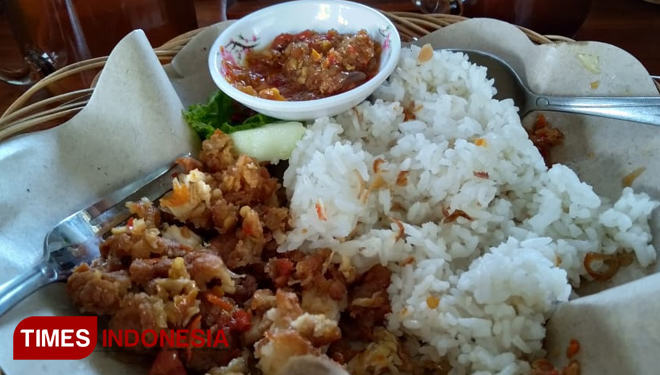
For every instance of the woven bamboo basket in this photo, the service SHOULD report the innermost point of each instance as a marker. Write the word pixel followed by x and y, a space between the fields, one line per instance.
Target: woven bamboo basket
pixel 26 115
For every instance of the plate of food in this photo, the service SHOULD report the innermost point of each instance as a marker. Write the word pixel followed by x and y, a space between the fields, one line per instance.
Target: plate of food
pixel 426 229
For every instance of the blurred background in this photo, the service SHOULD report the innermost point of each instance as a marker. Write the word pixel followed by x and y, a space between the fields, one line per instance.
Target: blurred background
pixel 40 36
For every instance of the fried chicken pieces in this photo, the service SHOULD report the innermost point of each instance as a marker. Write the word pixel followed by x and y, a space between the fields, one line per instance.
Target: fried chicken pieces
pixel 205 257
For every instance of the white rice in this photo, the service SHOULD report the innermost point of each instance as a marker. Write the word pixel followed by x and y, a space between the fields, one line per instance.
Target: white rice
pixel 498 275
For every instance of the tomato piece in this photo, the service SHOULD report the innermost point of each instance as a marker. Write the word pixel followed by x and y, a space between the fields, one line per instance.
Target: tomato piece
pixel 284 268
pixel 541 122
pixel 280 270
pixel 281 41
pixel 220 302
pixel 307 34
pixel 241 321
pixel 573 348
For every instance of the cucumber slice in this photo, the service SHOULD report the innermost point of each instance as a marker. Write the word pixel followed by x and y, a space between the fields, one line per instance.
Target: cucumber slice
pixel 272 142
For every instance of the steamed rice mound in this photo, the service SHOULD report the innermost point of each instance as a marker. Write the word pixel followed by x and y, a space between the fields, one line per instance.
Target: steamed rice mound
pixel 438 181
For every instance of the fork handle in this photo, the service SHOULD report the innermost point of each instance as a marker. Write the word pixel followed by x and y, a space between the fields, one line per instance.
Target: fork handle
pixel 17 289
pixel 638 109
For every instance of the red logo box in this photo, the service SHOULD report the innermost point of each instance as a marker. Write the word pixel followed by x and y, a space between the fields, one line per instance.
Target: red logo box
pixel 55 337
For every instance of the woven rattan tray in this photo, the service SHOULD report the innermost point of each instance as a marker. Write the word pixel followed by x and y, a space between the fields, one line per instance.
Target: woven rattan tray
pixel 26 115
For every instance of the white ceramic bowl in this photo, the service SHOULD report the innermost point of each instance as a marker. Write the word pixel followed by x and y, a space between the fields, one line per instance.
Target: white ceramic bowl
pixel 257 31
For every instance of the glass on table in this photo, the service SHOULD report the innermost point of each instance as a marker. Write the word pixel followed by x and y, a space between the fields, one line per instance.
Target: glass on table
pixel 439 6
pixel 54 33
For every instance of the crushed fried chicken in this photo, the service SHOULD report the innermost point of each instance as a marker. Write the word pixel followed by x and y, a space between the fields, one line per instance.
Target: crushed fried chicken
pixel 205 257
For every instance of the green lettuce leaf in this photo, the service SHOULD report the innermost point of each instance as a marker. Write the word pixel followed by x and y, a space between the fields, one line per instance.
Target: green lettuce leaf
pixel 222 112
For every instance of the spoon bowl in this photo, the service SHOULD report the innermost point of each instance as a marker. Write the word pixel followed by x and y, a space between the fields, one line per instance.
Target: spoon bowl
pixel 509 85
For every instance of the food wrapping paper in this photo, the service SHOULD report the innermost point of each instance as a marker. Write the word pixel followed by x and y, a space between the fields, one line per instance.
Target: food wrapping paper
pixel 133 124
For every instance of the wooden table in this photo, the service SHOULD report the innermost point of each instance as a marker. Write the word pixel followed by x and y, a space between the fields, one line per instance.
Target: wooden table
pixel 633 25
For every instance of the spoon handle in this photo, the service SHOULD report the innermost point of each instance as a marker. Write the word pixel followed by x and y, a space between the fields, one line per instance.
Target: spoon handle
pixel 15 290
pixel 638 109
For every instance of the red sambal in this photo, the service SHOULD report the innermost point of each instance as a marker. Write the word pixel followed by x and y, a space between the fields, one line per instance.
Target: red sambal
pixel 306 66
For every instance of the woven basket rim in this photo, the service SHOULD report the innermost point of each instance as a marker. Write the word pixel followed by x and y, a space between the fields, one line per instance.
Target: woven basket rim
pixel 23 116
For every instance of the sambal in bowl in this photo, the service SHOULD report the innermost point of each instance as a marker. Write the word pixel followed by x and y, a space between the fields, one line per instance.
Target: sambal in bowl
pixel 306 59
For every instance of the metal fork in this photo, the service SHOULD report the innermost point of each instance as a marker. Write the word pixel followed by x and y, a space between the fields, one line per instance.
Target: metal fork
pixel 75 240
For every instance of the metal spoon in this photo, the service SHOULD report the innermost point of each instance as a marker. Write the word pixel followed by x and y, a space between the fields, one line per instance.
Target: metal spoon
pixel 509 85
pixel 75 239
